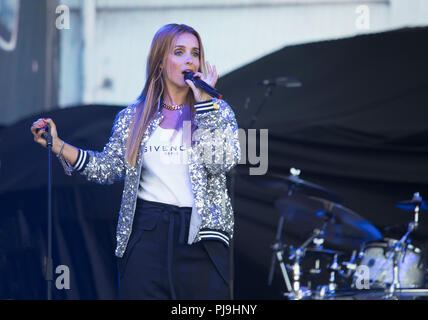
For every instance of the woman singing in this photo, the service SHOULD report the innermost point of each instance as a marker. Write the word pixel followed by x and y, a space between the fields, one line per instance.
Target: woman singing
pixel 172 147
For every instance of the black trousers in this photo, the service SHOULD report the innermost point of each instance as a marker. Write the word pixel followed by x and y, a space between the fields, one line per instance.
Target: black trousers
pixel 159 264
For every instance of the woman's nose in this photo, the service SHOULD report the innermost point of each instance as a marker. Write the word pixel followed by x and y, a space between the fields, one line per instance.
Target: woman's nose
pixel 189 60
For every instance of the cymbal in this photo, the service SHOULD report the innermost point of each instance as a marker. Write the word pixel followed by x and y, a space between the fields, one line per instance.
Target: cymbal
pixel 281 185
pixel 410 205
pixel 345 228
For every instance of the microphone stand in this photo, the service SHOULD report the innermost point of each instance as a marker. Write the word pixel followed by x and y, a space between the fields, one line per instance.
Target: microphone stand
pixel 254 118
pixel 277 247
pixel 268 93
pixel 233 173
pixel 48 260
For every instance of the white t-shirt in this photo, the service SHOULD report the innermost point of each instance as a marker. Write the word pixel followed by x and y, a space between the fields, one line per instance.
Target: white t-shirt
pixel 165 173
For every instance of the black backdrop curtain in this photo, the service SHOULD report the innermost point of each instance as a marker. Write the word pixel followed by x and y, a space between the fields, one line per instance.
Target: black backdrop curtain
pixel 357 126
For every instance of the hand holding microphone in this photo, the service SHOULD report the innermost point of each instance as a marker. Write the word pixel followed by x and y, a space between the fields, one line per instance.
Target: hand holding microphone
pixel 44 132
pixel 203 85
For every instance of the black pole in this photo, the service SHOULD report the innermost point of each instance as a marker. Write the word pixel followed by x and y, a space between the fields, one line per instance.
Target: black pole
pixel 49 263
pixel 232 176
pixel 49 266
pixel 254 118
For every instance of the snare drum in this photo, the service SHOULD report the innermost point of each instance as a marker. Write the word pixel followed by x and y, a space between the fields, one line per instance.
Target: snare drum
pixel 376 257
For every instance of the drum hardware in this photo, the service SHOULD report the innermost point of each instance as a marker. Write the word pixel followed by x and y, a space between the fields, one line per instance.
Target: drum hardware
pixel 279 253
pixel 376 257
pixel 333 274
pixel 316 269
pixel 295 291
pixel 278 246
pixel 331 288
pixel 415 205
pixel 396 251
pixel 400 249
pixel 296 255
pixel 346 228
pixel 340 277
pixel 281 185
pixel 350 265
pixel 298 292
pixel 324 291
pixel 395 265
pixel 300 208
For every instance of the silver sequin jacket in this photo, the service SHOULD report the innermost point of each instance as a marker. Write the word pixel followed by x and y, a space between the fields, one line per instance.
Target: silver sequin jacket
pixel 214 150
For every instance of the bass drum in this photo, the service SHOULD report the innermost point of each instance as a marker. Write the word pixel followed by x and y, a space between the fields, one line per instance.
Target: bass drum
pixel 376 264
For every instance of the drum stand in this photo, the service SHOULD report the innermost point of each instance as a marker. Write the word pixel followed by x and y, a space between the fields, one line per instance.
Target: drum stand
pixel 299 292
pixel 278 254
pixel 296 292
pixel 396 254
pixel 278 248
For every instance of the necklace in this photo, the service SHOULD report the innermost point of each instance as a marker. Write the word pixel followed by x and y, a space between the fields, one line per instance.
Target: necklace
pixel 174 107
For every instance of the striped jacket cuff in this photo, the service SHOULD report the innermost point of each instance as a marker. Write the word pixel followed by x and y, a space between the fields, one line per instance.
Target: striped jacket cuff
pixel 209 234
pixel 205 106
pixel 82 160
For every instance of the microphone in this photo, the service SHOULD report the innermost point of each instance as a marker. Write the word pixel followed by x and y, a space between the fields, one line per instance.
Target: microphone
pixel 188 75
pixel 47 134
pixel 288 82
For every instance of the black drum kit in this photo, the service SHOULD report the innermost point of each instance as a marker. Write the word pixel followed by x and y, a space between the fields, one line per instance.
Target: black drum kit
pixel 378 268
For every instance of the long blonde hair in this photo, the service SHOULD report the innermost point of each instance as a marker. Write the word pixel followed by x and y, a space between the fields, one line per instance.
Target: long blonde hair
pixel 147 103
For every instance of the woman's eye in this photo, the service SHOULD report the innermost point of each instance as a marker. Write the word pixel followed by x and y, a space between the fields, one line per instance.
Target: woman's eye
pixel 178 52
pixel 196 54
